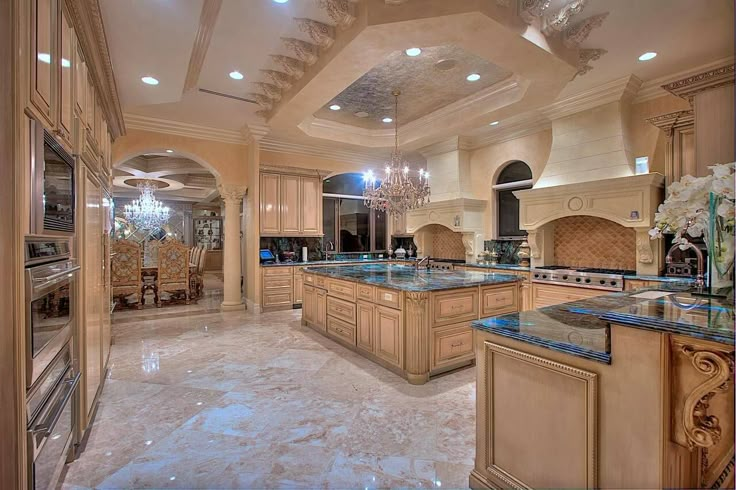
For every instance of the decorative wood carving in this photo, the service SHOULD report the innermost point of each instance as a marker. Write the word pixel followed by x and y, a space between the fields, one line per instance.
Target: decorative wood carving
pixel 533 244
pixel 532 9
pixel 269 90
pixel 321 34
pixel 667 122
pixel 575 34
pixel 303 50
pixel 278 78
pixel 644 253
pixel 207 20
pixel 417 336
pixel 559 20
pixel 291 66
pixel 262 100
pixel 585 56
pixel 340 11
pixel 703 430
pixel 678 127
pixel 688 87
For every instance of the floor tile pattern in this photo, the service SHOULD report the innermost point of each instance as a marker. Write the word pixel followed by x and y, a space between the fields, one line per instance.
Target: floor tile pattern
pixel 202 399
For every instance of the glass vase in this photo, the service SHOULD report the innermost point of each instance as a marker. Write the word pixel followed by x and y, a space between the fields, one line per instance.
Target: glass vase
pixel 719 238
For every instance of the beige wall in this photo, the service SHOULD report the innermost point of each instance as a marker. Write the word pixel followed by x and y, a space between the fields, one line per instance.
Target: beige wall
pixel 278 159
pixel 487 162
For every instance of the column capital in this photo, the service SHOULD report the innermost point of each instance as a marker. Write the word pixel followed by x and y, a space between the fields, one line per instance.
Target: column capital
pixel 255 132
pixel 232 192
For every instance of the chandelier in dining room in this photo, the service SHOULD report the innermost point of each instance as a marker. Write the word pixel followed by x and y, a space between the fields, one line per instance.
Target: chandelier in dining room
pixel 399 191
pixel 147 212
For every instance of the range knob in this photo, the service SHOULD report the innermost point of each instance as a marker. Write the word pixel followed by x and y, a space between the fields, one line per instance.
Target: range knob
pixel 603 281
pixel 613 283
pixel 577 279
pixel 544 276
pixel 564 278
pixel 536 276
pixel 587 281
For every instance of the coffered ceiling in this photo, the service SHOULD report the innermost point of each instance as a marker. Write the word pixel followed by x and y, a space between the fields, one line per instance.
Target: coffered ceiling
pixel 351 53
pixel 177 178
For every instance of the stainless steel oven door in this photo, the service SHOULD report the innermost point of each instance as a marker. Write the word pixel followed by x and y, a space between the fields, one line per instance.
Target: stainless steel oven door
pixel 50 434
pixel 50 300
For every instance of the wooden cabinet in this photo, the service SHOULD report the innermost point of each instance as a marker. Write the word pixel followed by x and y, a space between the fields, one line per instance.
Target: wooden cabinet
pixel 389 335
pixel 451 344
pixel 454 306
pixel 339 308
pixel 631 284
pixel 91 327
pixel 341 289
pixel 320 309
pixel 67 50
pixel 290 205
pixel 308 304
pixel 551 294
pixel 365 335
pixel 341 330
pixel 298 285
pixel 277 286
pixel 80 92
pixel 43 59
pixel 499 300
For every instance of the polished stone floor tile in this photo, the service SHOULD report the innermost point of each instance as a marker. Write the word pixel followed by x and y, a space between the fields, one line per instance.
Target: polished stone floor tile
pixel 195 398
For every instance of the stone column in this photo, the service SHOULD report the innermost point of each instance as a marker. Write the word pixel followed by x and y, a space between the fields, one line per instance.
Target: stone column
pixel 251 217
pixel 418 337
pixel 233 197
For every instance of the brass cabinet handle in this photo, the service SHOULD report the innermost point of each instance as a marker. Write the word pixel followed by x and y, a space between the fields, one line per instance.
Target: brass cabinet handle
pixel 456 344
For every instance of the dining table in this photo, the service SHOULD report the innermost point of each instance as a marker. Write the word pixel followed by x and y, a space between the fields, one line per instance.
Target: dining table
pixel 149 274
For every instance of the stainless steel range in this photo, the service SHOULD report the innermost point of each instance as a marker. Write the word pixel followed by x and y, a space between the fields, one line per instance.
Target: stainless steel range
pixel 590 278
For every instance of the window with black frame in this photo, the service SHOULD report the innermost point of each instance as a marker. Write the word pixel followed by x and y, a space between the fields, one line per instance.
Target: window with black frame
pixel 515 176
pixel 349 226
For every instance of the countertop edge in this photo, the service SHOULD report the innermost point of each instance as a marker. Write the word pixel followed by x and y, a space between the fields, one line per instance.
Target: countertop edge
pixel 664 327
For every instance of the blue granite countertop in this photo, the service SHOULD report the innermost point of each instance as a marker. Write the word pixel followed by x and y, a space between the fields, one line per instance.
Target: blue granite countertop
pixel 582 328
pixel 328 262
pixel 675 280
pixel 511 267
pixel 407 278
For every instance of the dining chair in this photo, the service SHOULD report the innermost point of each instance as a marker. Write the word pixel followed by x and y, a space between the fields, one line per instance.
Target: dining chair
pixel 125 270
pixel 173 269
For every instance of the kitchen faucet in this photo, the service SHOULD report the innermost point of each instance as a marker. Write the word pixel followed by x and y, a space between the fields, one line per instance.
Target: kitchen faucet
pixel 421 261
pixel 699 278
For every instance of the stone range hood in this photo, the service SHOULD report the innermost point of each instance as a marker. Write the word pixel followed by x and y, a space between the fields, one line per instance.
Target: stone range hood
pixel 628 201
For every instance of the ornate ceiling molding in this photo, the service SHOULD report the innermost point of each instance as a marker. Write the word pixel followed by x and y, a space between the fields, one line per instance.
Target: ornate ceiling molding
pixel 557 21
pixel 532 9
pixel 585 56
pixel 652 89
pixel 303 50
pixel 87 21
pixel 340 11
pixel 620 89
pixel 574 35
pixel 263 100
pixel 667 122
pixel 278 78
pixel 321 34
pixel 269 90
pixel 177 128
pixel 291 66
pixel 689 87
pixel 207 20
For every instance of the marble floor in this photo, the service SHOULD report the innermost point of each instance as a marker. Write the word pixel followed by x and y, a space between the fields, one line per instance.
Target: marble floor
pixel 196 398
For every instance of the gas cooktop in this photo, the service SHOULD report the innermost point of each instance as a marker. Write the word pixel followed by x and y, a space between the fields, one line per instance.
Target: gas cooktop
pixel 586 277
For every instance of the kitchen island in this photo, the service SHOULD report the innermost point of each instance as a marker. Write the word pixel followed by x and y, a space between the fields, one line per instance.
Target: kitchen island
pixel 415 322
pixel 627 390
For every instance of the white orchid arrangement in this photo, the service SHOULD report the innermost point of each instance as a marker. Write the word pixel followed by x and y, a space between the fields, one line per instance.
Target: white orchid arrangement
pixel 686 211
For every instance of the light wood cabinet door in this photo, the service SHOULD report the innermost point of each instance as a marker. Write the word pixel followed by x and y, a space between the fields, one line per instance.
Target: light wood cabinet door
pixel 298 287
pixel 311 205
pixel 308 303
pixel 80 86
pixel 43 60
pixel 290 204
pixel 551 294
pixel 92 259
pixel 389 335
pixel 451 344
pixel 270 198
pixel 497 301
pixel 66 86
pixel 365 334
pixel 320 309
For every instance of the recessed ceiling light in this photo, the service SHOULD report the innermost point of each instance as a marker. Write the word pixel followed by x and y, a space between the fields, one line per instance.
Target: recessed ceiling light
pixel 236 75
pixel 169 151
pixel 361 114
pixel 473 77
pixel 335 107
pixel 647 56
pixel 493 123
pixel 280 1
pixel 413 52
pixel 44 57
pixel 387 120
pixel 149 80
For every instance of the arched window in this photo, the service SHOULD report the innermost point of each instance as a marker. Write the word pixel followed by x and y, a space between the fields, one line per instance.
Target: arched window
pixel 515 176
pixel 349 226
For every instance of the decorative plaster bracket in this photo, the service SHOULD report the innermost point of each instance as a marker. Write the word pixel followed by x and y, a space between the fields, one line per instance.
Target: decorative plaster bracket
pixel 291 66
pixel 323 35
pixel 340 11
pixel 278 78
pixel 303 50
pixel 573 36
pixel 269 90
pixel 559 20
pixel 585 56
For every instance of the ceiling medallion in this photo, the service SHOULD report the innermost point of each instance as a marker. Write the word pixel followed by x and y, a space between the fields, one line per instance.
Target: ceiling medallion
pixel 397 193
pixel 147 212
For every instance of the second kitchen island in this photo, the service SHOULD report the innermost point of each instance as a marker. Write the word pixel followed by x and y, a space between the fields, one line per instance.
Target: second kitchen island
pixel 413 322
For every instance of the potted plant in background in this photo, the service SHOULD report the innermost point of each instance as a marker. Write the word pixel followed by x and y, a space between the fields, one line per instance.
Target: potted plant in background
pixel 703 206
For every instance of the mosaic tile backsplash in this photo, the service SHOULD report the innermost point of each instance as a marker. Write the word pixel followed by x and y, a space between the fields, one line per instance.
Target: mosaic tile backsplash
pixel 587 241
pixel 446 244
pixel 279 245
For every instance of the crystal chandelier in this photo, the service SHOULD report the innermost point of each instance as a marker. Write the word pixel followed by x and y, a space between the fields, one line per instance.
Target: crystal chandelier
pixel 398 192
pixel 146 212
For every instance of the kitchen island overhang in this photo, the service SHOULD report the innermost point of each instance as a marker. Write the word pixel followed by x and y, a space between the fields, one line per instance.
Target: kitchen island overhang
pixel 415 322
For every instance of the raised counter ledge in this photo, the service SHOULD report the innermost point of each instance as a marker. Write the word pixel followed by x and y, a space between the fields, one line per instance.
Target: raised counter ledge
pixel 335 261
pixel 511 267
pixel 581 328
pixel 408 278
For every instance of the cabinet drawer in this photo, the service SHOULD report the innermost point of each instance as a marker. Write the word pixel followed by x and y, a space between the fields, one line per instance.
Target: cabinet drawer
pixel 388 297
pixel 278 283
pixel 454 307
pixel 342 289
pixel 550 294
pixel 319 282
pixel 365 292
pixel 277 298
pixel 282 271
pixel 451 344
pixel 497 301
pixel 341 330
pixel 341 309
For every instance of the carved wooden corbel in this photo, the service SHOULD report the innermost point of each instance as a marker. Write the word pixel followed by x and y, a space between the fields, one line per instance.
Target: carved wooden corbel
pixel 278 78
pixel 561 19
pixel 291 66
pixel 321 34
pixel 269 90
pixel 303 50
pixel 574 35
pixel 340 11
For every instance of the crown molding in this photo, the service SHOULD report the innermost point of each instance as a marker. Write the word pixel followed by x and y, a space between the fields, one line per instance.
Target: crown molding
pixel 621 88
pixel 652 89
pixel 456 143
pixel 689 87
pixel 86 18
pixel 667 122
pixel 177 128
pixel 525 125
pixel 281 146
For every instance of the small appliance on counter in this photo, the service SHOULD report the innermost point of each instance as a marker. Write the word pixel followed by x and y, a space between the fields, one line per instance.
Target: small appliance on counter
pixel 305 254
pixel 287 256
pixel 266 256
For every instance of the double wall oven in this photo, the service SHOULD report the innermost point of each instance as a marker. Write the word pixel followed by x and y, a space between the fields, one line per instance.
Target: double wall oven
pixel 51 373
